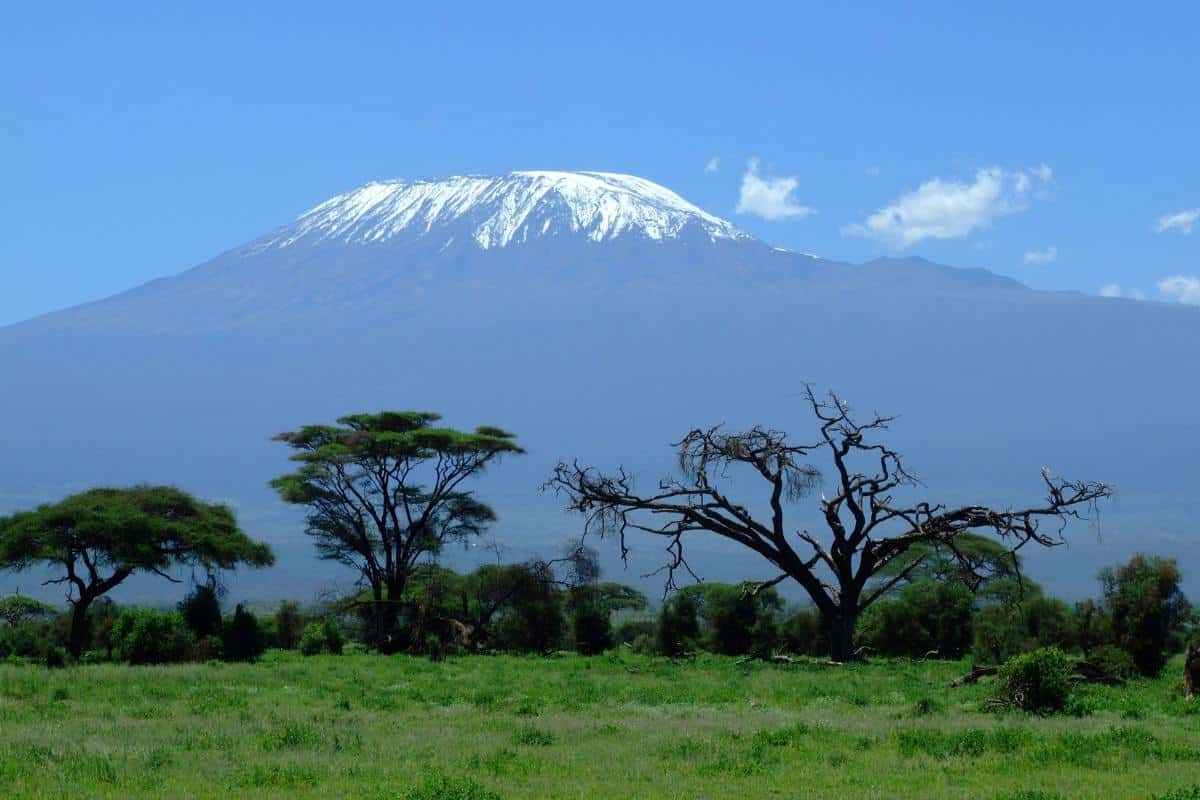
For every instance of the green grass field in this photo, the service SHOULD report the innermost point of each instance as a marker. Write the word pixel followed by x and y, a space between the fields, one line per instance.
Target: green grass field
pixel 617 726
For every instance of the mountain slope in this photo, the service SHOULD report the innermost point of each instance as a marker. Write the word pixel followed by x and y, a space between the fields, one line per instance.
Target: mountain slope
pixel 603 335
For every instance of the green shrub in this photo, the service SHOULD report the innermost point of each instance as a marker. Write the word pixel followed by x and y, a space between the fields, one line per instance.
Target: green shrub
pixel 440 786
pixel 1114 662
pixel 1092 626
pixel 678 625
pixel 335 642
pixel 628 631
pixel 999 633
pixel 28 640
pixel 1189 793
pixel 591 626
pixel 1084 702
pixel 532 620
pixel 147 636
pixel 17 609
pixel 1039 681
pixel 289 625
pixel 56 656
pixel 242 636
pixel 764 636
pixel 925 616
pixel 312 641
pixel 208 649
pixel 435 647
pixel 645 644
pixel 1145 606
pixel 1022 625
pixel 201 610
pixel 727 615
pixel 101 617
pixel 534 737
pixel 322 637
pixel 802 634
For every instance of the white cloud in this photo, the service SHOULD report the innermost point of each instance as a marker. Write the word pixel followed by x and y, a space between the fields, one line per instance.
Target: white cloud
pixel 713 164
pixel 1181 221
pixel 769 198
pixel 1181 289
pixel 939 209
pixel 1042 256
pixel 1115 290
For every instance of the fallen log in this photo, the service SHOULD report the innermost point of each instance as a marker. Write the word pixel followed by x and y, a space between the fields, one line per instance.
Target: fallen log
pixel 1093 674
pixel 1085 671
pixel 973 676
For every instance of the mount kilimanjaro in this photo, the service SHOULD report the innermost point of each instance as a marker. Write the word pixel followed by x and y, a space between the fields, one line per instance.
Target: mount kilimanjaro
pixel 599 316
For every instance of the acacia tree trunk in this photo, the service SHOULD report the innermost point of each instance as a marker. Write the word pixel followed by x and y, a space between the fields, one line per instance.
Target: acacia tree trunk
pixel 386 612
pixel 1191 671
pixel 77 637
pixel 841 627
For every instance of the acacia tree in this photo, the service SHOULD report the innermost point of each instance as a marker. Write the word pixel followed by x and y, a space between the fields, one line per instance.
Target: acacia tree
pixel 98 538
pixel 17 610
pixel 867 529
pixel 1144 607
pixel 386 490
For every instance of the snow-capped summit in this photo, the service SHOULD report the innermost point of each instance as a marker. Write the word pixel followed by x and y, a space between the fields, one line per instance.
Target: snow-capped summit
pixel 500 211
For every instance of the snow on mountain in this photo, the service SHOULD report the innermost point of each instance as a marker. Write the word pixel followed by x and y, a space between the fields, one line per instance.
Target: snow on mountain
pixel 628 316
pixel 504 210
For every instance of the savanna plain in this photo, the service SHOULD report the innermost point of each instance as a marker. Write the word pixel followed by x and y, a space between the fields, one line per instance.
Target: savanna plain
pixel 618 725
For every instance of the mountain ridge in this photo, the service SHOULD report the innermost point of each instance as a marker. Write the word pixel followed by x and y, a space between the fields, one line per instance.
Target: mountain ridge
pixel 521 234
pixel 604 351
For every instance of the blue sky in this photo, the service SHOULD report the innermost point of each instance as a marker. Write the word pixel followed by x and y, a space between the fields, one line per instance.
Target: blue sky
pixel 137 142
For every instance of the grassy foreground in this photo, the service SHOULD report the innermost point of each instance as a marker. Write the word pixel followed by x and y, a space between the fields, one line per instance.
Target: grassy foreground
pixel 617 726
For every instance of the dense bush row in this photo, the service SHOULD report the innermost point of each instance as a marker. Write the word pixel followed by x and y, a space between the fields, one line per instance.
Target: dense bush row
pixel 1141 617
pixel 197 630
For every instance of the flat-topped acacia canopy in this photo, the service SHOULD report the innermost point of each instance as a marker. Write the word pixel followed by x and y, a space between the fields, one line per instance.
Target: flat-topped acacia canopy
pixel 385 490
pixel 102 536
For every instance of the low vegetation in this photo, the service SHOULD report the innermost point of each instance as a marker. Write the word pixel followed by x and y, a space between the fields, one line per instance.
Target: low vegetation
pixel 616 725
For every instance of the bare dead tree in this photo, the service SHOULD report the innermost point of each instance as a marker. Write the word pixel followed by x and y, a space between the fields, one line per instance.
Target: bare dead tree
pixel 867 530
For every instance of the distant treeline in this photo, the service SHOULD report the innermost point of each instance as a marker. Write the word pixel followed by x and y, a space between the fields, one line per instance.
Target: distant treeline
pixel 385 493
pixel 1139 619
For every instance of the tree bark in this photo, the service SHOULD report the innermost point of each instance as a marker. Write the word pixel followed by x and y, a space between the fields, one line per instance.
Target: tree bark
pixel 841 634
pixel 77 637
pixel 1191 671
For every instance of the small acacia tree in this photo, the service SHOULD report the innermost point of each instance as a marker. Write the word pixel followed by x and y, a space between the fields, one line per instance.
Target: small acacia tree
pixel 1144 607
pixel 17 610
pixel 386 490
pixel 867 530
pixel 98 538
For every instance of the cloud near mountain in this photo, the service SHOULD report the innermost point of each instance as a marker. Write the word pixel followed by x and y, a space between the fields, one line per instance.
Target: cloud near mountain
pixel 951 209
pixel 770 198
